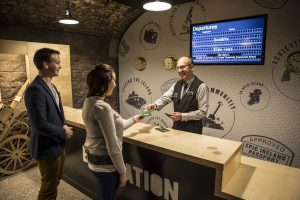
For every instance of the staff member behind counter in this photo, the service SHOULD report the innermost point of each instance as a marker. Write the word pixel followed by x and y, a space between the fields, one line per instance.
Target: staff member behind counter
pixel 190 99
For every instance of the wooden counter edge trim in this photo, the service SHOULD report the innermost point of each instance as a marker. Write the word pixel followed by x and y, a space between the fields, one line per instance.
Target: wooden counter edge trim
pixel 179 155
pixel 218 191
pixel 231 166
pixel 224 176
pixel 75 124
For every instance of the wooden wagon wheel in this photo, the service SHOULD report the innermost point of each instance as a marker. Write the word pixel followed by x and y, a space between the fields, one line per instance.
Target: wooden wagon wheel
pixel 23 117
pixel 19 127
pixel 15 154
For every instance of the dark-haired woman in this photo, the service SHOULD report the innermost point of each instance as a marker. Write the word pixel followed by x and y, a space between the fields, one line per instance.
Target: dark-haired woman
pixel 104 129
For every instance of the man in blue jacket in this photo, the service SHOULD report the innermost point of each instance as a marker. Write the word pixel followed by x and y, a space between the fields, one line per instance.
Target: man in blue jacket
pixel 48 128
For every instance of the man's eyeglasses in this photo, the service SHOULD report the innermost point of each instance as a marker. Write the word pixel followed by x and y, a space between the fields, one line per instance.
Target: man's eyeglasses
pixel 182 66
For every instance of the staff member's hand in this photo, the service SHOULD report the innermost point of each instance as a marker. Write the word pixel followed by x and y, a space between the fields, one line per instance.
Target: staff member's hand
pixel 151 107
pixel 123 180
pixel 176 116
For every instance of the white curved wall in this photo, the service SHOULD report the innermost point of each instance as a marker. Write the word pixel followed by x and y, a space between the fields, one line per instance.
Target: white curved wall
pixel 270 129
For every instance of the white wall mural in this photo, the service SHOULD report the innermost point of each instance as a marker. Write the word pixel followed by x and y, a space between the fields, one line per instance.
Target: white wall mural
pixel 256 104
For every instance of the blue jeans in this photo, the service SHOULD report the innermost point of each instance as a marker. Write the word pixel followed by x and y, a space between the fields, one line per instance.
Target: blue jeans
pixel 107 185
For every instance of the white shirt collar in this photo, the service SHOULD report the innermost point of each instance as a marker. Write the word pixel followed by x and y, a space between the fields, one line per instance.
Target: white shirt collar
pixel 189 82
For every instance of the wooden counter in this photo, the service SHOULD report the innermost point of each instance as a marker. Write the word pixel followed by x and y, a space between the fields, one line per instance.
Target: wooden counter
pixel 223 155
pixel 237 177
pixel 258 179
pixel 74 117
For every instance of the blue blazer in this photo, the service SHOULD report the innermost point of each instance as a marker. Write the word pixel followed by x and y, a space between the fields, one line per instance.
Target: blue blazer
pixel 47 136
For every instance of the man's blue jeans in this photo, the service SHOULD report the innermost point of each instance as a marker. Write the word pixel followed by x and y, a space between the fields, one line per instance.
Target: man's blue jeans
pixel 107 185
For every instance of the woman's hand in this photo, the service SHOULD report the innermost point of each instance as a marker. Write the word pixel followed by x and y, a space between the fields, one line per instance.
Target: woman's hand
pixel 123 180
pixel 138 118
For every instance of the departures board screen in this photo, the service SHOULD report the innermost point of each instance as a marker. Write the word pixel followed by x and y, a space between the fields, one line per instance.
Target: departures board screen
pixel 235 41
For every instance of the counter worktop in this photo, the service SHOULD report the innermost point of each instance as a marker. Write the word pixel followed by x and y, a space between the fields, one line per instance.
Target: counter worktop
pixel 237 177
pixel 201 149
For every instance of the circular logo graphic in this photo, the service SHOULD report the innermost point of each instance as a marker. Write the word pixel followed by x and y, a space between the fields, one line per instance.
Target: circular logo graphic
pixel 170 63
pixel 286 76
pixel 150 35
pixel 140 63
pixel 135 93
pixel 183 15
pixel 157 121
pixel 254 96
pixel 292 64
pixel 265 148
pixel 126 47
pixel 166 85
pixel 221 114
pixel 272 4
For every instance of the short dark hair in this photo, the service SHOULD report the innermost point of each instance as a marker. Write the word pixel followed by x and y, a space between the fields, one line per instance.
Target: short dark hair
pixel 43 55
pixel 98 80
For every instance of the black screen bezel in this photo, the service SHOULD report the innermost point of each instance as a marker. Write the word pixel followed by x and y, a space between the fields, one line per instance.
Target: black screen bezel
pixel 265 16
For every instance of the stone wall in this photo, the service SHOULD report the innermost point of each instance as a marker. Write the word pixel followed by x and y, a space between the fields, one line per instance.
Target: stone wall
pixel 86 52
pixel 12 76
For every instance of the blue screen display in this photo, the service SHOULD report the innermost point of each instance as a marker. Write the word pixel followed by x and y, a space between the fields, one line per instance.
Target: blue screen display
pixel 236 41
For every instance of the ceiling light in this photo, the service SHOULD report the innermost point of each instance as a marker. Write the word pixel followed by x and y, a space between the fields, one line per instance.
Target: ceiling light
pixel 68 18
pixel 157 5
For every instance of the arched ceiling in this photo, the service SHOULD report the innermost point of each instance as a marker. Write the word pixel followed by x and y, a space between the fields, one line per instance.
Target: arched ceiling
pixel 97 17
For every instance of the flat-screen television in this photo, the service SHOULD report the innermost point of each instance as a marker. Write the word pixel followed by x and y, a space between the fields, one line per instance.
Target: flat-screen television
pixel 234 41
